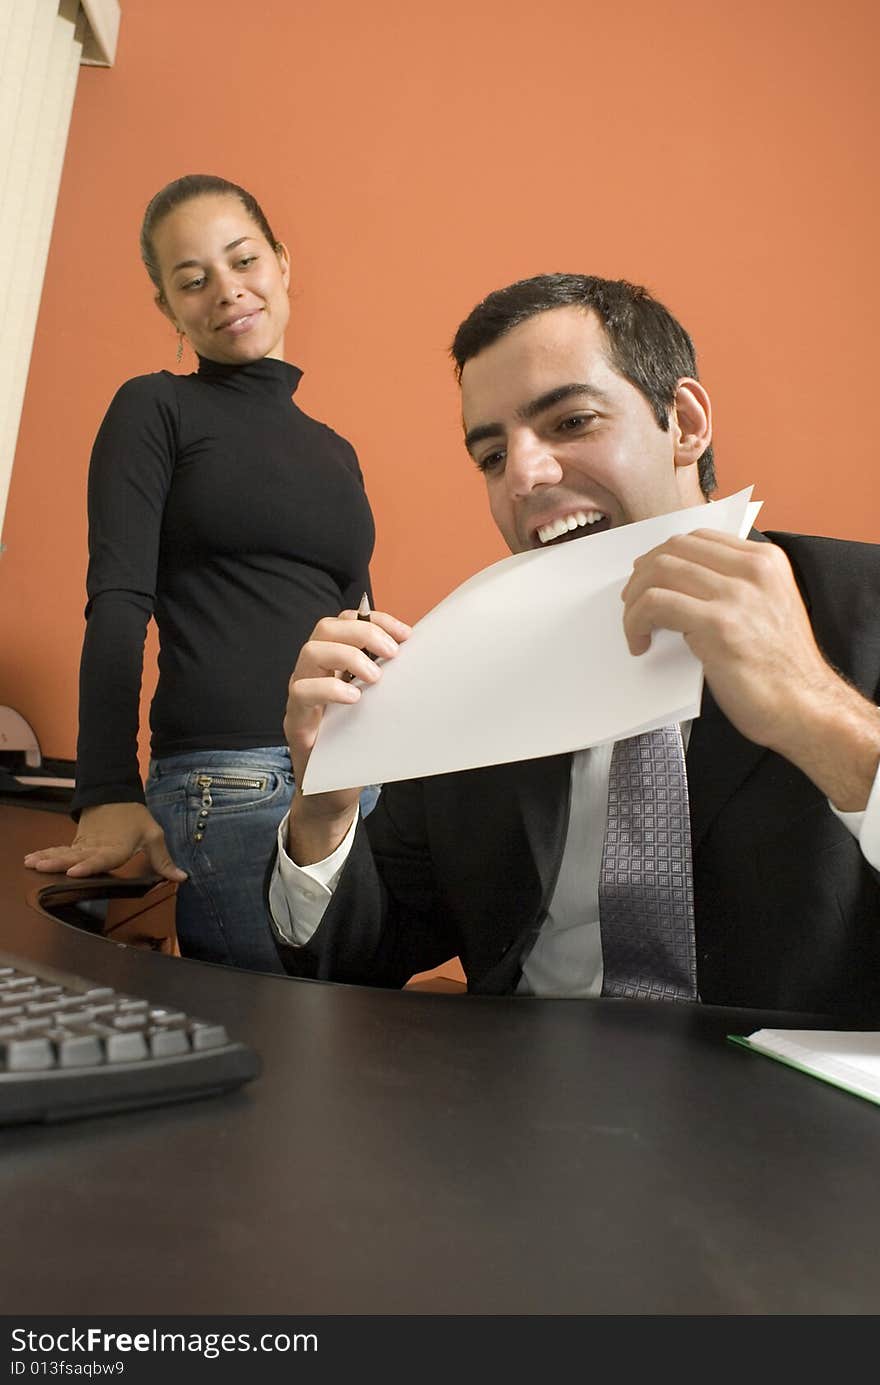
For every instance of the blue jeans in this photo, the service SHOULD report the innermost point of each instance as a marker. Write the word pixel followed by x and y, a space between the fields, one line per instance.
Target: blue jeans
pixel 220 811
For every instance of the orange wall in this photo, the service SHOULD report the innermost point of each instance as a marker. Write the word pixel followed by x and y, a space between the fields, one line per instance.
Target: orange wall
pixel 415 157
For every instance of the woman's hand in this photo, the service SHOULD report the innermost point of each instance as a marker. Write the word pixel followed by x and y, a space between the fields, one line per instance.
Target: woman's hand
pixel 108 836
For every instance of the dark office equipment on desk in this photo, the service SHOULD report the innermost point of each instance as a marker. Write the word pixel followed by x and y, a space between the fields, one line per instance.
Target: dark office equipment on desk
pixel 27 778
pixel 72 1047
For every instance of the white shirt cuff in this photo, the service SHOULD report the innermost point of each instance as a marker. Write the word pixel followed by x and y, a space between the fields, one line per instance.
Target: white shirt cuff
pixel 865 826
pixel 299 895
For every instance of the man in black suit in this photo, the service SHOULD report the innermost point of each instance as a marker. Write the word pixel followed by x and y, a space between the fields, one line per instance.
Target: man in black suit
pixel 583 409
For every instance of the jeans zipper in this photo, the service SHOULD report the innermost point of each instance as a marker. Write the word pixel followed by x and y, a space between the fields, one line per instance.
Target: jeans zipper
pixel 220 781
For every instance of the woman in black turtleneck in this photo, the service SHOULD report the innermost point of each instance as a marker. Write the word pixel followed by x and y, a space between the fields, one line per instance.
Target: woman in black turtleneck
pixel 236 521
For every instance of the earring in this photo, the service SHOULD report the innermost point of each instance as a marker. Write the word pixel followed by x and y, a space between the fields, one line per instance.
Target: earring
pixel 179 347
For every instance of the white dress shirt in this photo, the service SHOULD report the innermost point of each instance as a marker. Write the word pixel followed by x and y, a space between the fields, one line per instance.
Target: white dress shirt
pixel 566 958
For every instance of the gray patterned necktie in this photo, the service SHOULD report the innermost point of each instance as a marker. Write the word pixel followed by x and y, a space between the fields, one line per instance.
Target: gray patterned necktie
pixel 646 893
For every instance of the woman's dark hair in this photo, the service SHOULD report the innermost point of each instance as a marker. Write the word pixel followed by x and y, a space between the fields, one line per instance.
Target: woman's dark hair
pixel 646 343
pixel 184 190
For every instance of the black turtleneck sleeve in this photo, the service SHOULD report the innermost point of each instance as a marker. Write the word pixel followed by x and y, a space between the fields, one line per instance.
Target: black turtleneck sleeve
pixel 219 508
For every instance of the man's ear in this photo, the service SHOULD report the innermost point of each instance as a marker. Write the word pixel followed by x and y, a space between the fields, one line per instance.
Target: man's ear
pixel 691 421
pixel 284 261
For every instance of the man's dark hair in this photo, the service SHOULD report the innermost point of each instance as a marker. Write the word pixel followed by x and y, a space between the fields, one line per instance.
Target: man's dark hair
pixel 645 342
pixel 184 190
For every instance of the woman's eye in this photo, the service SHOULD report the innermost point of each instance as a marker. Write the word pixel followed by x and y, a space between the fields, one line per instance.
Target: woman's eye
pixel 245 261
pixel 192 284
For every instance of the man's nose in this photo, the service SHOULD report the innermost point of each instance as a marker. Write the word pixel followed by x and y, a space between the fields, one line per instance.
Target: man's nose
pixel 529 463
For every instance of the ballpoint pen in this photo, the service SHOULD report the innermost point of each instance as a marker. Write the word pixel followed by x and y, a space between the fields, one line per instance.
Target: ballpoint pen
pixel 363 613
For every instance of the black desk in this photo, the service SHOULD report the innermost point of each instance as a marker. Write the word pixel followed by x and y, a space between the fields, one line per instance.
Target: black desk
pixel 412 1153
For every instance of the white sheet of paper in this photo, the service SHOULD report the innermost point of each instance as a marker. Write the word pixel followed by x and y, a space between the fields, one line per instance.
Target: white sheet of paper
pixel 848 1059
pixel 526 658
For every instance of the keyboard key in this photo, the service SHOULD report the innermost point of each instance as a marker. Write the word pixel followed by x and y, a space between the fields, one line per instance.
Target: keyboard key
pixel 75 1018
pixel 207 1036
pixel 79 1050
pixel 25 1055
pixel 167 1043
pixel 42 1007
pixel 129 1021
pixel 125 1048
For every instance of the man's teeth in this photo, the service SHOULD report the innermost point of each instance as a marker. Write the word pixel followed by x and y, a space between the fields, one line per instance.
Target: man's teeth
pixel 578 520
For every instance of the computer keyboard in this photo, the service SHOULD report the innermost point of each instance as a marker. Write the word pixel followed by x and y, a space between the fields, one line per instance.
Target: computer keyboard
pixel 72 1047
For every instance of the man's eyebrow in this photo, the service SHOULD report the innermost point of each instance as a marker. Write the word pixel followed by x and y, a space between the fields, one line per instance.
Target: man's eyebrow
pixel 535 407
pixel 481 433
pixel 194 264
pixel 546 401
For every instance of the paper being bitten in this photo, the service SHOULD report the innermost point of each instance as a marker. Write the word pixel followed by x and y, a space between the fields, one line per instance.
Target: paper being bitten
pixel 527 658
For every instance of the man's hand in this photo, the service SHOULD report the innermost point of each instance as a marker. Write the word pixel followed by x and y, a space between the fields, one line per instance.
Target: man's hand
pixel 336 647
pixel 107 837
pixel 739 609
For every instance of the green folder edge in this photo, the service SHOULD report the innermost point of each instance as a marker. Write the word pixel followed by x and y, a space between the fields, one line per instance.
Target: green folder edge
pixel 742 1042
